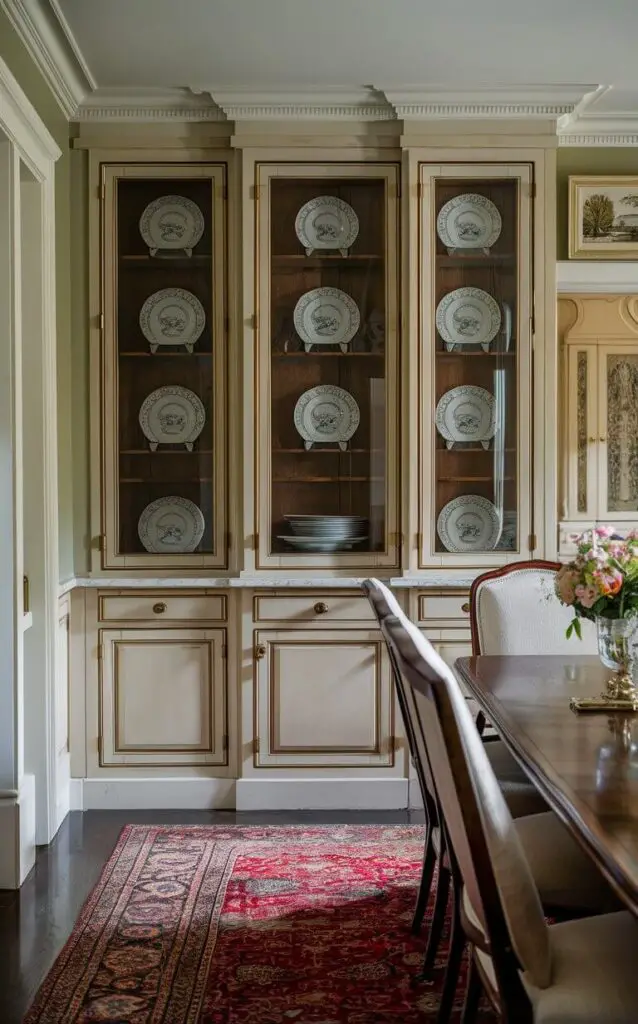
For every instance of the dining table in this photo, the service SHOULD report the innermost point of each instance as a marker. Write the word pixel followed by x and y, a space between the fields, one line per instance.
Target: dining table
pixel 585 764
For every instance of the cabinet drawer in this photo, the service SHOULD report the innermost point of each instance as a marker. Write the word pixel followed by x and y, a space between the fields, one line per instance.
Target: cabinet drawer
pixel 437 607
pixel 158 607
pixel 312 607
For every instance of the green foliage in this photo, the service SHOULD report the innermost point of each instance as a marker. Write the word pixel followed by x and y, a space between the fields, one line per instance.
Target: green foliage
pixel 598 215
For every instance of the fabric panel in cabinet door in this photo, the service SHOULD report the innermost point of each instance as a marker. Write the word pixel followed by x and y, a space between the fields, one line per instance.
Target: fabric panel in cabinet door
pixel 618 432
pixel 323 699
pixel 163 697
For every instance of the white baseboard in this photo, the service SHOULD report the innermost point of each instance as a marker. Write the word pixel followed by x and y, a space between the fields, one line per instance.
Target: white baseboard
pixel 152 794
pixel 321 794
pixel 415 798
pixel 17 835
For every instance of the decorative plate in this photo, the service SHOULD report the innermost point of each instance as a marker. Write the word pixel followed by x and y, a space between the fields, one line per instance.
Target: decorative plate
pixel 326 316
pixel 326 414
pixel 171 525
pixel 172 415
pixel 326 222
pixel 468 316
pixel 469 523
pixel 172 222
pixel 318 544
pixel 470 221
pixel 172 316
pixel 466 413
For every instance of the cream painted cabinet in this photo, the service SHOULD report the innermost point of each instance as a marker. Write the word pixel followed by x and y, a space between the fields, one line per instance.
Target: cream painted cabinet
pixel 339 714
pixel 600 439
pixel 162 697
pixel 325 419
pixel 475 363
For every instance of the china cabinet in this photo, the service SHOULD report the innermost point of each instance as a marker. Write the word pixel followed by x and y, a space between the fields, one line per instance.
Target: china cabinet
pixel 163 367
pixel 313 364
pixel 326 429
pixel 475 363
pixel 600 366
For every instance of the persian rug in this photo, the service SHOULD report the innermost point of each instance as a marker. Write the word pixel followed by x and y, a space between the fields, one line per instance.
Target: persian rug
pixel 249 925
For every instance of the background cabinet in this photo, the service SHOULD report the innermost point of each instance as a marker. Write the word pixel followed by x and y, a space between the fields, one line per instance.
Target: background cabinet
pixel 600 436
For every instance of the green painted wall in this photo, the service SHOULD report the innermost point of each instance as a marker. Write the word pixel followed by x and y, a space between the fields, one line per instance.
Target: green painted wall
pixel 587 160
pixel 14 54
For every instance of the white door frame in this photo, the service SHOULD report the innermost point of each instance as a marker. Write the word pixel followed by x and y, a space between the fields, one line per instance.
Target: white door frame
pixel 25 820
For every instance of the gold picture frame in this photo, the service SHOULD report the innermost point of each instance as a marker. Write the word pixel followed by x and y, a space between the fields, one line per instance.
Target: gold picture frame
pixel 603 217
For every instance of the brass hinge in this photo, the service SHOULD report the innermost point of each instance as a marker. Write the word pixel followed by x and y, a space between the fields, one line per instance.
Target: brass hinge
pixel 532 323
pixel 26 597
pixel 101 191
pixel 254 542
pixel 253 192
pixel 101 542
pixel 256 745
pixel 99 748
pixel 100 652
pixel 224 650
pixel 531 542
pixel 253 321
pixel 101 321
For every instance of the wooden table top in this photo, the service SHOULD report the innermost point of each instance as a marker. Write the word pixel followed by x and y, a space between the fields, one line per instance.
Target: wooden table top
pixel 585 765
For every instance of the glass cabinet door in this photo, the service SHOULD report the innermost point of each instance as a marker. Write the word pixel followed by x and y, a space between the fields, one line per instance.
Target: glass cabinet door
pixel 618 432
pixel 475 364
pixel 163 366
pixel 327 309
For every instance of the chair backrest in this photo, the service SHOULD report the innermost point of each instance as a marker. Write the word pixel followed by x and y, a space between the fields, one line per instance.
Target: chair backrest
pixel 385 605
pixel 495 873
pixel 514 610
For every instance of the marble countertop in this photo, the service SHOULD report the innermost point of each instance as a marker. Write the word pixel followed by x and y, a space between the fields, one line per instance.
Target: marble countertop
pixel 435 579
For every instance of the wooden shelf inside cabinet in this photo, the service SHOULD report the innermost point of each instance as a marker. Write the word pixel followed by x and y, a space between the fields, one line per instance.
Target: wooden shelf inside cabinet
pixel 470 479
pixel 301 261
pixel 297 354
pixel 165 355
pixel 475 355
pixel 336 480
pixel 165 483
pixel 505 260
pixel 471 450
pixel 155 262
pixel 165 451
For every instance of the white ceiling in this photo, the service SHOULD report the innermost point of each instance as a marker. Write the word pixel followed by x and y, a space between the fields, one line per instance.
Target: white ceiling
pixel 278 43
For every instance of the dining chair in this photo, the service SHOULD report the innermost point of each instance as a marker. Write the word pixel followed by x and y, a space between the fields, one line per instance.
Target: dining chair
pixel 581 970
pixel 522 796
pixel 514 610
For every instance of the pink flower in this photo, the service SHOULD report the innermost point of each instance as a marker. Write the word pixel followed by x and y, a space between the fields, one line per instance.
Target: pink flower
pixel 604 531
pixel 586 595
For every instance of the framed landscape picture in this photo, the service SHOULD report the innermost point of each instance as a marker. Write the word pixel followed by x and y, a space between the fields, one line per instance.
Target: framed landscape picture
pixel 603 217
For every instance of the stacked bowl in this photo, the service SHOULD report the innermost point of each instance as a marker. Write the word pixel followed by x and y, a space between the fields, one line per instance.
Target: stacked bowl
pixel 325 533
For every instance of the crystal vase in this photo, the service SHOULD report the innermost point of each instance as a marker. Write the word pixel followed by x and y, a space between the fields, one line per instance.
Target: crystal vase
pixel 617 650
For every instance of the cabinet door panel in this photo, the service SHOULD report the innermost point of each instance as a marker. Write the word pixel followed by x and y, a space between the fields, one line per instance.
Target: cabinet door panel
pixel 163 697
pixel 618 433
pixel 475 498
pixel 582 432
pixel 323 698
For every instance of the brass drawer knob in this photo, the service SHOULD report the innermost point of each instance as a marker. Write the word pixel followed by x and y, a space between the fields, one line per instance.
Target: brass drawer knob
pixel 466 607
pixel 321 608
pixel 159 608
pixel 260 651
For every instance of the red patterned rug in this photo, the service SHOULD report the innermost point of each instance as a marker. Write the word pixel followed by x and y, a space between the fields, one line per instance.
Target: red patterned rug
pixel 236 925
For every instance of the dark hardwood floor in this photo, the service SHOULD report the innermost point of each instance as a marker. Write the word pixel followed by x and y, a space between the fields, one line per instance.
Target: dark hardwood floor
pixel 36 921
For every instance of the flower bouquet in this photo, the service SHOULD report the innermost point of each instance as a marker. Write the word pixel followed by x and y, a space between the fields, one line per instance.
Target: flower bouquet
pixel 601 584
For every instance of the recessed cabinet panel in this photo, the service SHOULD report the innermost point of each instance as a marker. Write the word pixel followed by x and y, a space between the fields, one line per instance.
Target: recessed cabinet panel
pixel 339 715
pixel 618 442
pixel 327 334
pixel 163 697
pixel 164 345
pixel 476 363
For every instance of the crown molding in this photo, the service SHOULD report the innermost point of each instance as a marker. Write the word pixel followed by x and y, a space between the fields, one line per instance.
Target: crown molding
pixel 43 30
pixel 21 121
pixel 418 102
pixel 300 104
pixel 148 105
